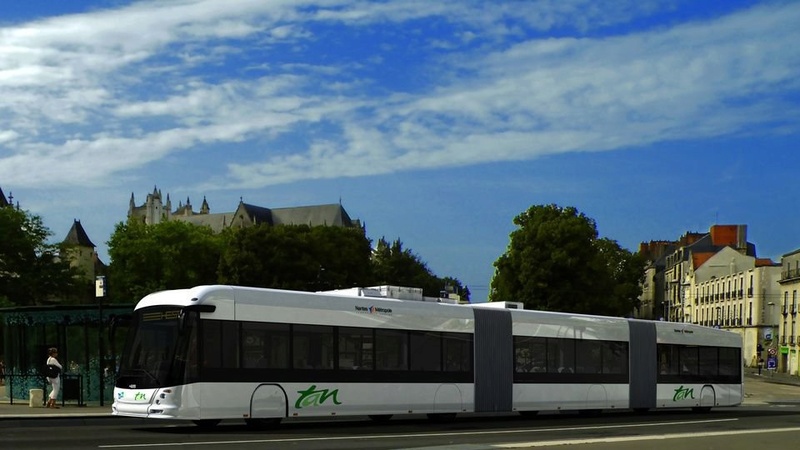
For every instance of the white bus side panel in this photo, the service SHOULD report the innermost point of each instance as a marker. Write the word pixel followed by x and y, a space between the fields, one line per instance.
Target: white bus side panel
pixel 551 397
pixel 692 395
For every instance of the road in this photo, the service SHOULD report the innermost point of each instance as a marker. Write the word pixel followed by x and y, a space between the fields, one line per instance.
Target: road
pixel 771 417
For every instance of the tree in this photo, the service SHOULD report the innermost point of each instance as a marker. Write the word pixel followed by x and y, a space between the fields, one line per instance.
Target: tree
pixel 295 257
pixel 625 271
pixel 31 272
pixel 168 255
pixel 394 265
pixel 555 261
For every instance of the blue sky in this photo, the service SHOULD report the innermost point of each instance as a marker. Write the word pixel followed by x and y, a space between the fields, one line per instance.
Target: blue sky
pixel 433 122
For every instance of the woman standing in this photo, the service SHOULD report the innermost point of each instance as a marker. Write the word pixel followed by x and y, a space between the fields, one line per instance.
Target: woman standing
pixel 55 381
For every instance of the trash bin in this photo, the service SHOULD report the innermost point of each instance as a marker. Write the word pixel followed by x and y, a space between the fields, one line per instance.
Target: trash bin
pixel 36 398
pixel 73 388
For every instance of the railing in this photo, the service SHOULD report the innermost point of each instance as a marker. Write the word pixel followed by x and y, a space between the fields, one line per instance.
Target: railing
pixel 789 274
pixel 18 387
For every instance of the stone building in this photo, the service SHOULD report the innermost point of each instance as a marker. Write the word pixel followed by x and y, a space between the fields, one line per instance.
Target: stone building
pixel 79 250
pixel 157 209
pixel 789 335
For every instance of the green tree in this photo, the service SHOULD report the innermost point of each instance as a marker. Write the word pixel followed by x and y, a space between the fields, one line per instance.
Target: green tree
pixel 394 265
pixel 31 272
pixel 168 255
pixel 295 257
pixel 555 262
pixel 625 274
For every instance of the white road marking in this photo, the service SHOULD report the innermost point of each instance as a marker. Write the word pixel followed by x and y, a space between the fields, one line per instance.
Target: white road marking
pixel 416 435
pixel 653 437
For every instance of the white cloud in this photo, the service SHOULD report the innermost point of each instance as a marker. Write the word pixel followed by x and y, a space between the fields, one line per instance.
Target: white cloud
pixel 91 96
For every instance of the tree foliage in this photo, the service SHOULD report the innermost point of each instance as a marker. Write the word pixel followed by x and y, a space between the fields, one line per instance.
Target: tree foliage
pixel 175 254
pixel 168 255
pixel 555 261
pixel 31 272
pixel 394 265
pixel 295 257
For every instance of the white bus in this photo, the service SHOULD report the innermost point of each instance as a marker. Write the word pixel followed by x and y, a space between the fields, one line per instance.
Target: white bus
pixel 224 352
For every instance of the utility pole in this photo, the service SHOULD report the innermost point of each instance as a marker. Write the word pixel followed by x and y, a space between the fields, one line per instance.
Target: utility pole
pixel 100 292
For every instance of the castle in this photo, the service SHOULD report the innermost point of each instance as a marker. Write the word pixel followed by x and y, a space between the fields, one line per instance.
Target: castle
pixel 156 209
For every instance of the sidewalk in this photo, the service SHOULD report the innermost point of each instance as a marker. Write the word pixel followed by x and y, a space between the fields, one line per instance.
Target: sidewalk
pixel 21 410
pixel 771 376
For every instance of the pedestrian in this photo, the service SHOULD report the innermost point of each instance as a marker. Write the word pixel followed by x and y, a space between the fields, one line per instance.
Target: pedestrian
pixel 53 376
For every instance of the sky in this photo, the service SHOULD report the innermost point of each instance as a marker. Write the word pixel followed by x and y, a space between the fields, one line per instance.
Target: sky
pixel 435 123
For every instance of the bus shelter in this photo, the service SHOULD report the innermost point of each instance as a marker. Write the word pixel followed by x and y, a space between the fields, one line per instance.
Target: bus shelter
pixel 89 339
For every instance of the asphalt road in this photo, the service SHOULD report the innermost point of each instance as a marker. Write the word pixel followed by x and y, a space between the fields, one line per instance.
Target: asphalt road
pixel 770 418
pixel 731 429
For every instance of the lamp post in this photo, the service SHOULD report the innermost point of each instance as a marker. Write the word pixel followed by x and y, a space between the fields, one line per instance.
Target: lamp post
pixel 100 292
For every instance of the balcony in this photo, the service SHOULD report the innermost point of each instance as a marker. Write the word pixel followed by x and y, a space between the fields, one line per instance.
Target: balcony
pixel 790 274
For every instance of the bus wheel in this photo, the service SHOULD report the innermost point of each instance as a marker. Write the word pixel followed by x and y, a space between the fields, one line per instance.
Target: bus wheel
pixel 701 409
pixel 441 417
pixel 380 417
pixel 528 413
pixel 262 423
pixel 206 423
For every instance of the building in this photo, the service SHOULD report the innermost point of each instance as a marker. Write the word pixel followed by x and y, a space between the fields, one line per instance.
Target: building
pixel 788 333
pixel 652 298
pixel 691 248
pixel 715 279
pixel 3 201
pixel 156 209
pixel 736 292
pixel 79 250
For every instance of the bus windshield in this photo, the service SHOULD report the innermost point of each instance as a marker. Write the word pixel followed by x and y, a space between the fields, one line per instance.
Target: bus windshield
pixel 156 348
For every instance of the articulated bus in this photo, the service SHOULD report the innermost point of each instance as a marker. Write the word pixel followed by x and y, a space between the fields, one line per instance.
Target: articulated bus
pixel 214 353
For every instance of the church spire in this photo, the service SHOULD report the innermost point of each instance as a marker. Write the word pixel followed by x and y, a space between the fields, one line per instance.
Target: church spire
pixel 3 201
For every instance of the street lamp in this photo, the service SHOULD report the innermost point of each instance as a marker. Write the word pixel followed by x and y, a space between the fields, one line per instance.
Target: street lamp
pixel 101 289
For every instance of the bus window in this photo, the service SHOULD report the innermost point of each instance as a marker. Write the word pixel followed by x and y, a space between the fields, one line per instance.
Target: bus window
pixel 220 344
pixel 457 349
pixel 730 363
pixel 589 356
pixel 312 347
pixel 426 351
pixel 355 349
pixel 689 360
pixel 709 364
pixel 265 345
pixel 615 358
pixel 530 354
pixel 391 350
pixel 668 360
pixel 560 355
